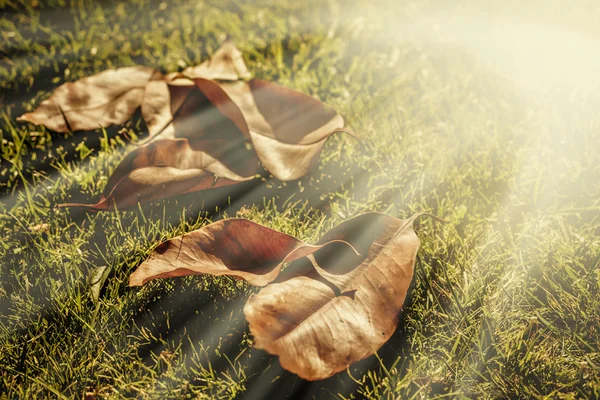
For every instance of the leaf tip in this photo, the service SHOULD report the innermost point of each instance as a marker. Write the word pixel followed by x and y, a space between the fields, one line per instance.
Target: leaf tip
pixel 135 280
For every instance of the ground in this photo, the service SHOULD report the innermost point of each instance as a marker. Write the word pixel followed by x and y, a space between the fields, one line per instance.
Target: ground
pixel 484 115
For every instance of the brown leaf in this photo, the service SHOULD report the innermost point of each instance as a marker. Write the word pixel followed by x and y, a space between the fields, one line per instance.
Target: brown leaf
pixel 100 100
pixel 318 329
pixel 110 97
pixel 233 247
pixel 288 129
pixel 215 155
pixel 170 167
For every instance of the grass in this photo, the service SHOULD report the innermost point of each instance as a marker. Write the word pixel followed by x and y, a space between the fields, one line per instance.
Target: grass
pixel 505 302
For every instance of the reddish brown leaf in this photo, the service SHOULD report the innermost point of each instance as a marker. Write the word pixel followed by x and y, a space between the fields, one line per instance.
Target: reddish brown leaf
pixel 318 329
pixel 233 247
pixel 100 100
pixel 170 167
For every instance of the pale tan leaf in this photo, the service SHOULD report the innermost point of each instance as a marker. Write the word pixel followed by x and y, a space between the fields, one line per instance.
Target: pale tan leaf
pixel 107 98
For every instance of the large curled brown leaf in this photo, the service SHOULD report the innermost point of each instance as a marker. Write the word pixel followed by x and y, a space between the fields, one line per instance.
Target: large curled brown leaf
pixel 318 329
pixel 287 129
pixel 107 98
pixel 232 247
pixel 336 303
pixel 216 157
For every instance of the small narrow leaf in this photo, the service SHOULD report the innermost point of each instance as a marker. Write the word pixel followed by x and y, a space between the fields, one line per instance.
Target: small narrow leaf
pixel 96 279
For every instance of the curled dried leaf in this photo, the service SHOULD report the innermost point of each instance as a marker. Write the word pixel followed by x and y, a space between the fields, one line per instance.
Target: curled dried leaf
pixel 333 309
pixel 110 97
pixel 172 167
pixel 233 247
pixel 288 129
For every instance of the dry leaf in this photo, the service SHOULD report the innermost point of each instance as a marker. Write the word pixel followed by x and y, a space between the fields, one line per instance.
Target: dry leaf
pixel 172 167
pixel 318 329
pixel 100 100
pixel 216 155
pixel 288 129
pixel 233 247
pixel 110 97
pixel 96 278
pixel 226 63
